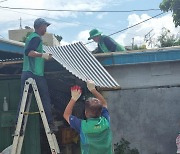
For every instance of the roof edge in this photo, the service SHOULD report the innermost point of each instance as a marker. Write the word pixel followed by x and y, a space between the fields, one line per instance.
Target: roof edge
pixel 12 42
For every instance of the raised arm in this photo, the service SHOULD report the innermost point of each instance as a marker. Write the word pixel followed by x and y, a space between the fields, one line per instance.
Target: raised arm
pixel 75 94
pixel 92 89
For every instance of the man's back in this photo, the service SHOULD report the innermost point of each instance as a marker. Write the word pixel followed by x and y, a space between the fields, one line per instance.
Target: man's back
pixel 96 137
pixel 95 132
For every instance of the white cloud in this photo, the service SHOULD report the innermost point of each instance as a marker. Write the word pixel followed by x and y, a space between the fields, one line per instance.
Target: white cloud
pixel 60 19
pixel 101 15
pixel 138 32
pixel 56 5
pixel 64 42
pixel 10 19
pixel 83 37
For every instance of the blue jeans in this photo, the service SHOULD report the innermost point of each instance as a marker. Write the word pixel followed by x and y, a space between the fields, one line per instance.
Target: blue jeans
pixel 43 91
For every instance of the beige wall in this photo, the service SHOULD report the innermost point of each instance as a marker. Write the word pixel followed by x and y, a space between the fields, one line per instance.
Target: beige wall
pixel 19 34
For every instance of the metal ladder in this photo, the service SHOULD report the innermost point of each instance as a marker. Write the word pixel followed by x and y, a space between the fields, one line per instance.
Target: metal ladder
pixel 23 117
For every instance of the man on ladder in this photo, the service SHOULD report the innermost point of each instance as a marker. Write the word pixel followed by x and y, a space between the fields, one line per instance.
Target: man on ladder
pixel 33 67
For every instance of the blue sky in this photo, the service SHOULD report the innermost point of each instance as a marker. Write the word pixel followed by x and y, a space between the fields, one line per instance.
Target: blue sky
pixel 73 26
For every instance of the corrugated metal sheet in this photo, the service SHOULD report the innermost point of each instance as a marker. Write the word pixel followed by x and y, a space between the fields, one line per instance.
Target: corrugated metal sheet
pixel 77 59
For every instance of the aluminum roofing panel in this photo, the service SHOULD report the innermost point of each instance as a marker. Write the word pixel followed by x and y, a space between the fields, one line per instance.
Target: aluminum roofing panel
pixel 78 60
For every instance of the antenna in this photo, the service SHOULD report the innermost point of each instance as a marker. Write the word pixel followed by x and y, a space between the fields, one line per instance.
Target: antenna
pixel 148 38
pixel 20 26
pixel 132 43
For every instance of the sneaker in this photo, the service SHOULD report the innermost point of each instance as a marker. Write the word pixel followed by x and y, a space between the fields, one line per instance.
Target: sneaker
pixel 53 127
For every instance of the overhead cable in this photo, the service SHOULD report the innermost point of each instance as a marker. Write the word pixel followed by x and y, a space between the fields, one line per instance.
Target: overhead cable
pixel 1 36
pixel 69 22
pixel 69 10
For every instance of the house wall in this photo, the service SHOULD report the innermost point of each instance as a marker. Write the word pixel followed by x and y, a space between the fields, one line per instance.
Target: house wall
pixel 19 34
pixel 146 111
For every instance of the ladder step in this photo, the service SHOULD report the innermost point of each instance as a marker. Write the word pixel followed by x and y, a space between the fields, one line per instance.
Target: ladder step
pixel 28 113
pixel 23 116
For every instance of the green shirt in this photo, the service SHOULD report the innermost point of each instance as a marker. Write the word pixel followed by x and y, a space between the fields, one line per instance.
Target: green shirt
pixel 95 133
pixel 34 64
pixel 107 44
pixel 96 137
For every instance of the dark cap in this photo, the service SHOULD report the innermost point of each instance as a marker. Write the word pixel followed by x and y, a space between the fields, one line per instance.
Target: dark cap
pixel 39 22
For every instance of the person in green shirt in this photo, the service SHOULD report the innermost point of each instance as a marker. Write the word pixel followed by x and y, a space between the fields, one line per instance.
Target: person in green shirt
pixel 95 131
pixel 105 43
pixel 33 66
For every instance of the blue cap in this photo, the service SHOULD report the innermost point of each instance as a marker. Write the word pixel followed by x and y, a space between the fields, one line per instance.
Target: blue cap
pixel 39 22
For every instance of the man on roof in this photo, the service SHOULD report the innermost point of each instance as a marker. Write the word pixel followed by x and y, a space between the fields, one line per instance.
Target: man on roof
pixel 105 43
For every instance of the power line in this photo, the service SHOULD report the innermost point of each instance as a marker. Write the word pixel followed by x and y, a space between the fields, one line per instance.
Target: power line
pixel 137 24
pixel 92 26
pixel 69 10
pixel 2 36
pixel 131 26
pixel 65 10
pixel 3 1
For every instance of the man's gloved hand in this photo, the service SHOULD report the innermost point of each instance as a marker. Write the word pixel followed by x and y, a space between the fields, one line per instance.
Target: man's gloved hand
pixel 75 92
pixel 90 85
pixel 47 56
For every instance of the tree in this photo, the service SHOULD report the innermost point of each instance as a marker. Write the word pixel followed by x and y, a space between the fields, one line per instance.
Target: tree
pixel 174 7
pixel 167 39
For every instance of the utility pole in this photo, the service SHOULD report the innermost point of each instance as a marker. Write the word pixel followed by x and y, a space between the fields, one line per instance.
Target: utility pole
pixel 20 26
pixel 132 43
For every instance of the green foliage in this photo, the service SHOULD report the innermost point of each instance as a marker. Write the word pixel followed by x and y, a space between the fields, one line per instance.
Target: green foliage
pixel 142 47
pixel 166 39
pixel 174 7
pixel 123 148
pixel 136 47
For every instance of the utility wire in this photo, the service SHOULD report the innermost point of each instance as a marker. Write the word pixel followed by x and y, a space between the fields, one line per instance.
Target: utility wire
pixel 137 24
pixel 131 26
pixel 90 11
pixel 69 10
pixel 3 1
pixel 76 23
pixel 1 36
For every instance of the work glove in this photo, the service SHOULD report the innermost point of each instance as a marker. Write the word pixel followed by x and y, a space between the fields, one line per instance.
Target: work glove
pixel 47 56
pixel 75 92
pixel 90 85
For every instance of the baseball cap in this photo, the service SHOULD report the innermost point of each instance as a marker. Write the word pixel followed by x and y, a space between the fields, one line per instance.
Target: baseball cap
pixel 39 22
pixel 93 33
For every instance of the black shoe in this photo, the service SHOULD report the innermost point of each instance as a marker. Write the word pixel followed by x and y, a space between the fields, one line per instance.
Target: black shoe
pixel 53 127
